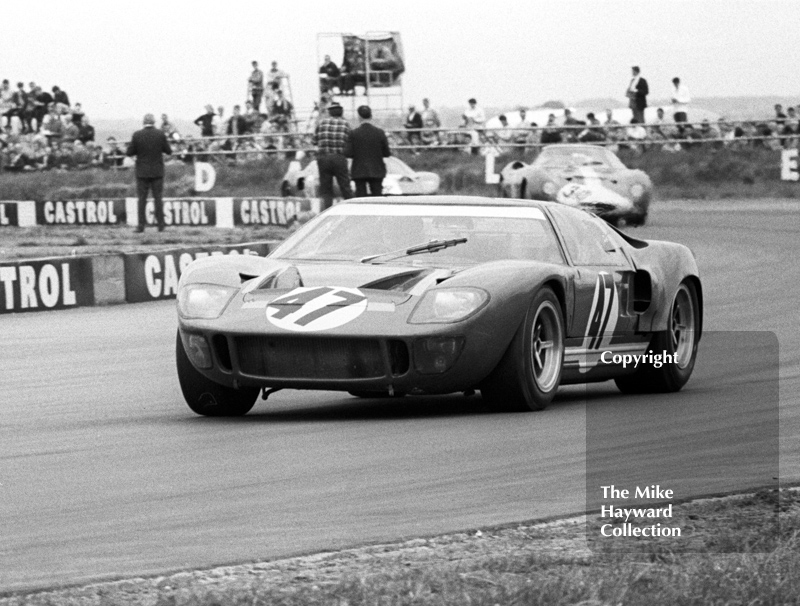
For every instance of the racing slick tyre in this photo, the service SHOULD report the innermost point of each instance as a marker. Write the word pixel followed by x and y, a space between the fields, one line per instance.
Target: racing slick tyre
pixel 680 339
pixel 208 398
pixel 529 373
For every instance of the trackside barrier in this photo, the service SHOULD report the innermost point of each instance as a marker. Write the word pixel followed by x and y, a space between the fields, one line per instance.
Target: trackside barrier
pixel 68 282
pixel 154 275
pixel 190 211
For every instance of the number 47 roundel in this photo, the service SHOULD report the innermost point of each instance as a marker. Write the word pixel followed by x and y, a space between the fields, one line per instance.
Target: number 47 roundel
pixel 308 309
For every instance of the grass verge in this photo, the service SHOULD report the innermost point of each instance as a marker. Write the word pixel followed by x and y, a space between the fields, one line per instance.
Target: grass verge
pixel 547 564
pixel 702 172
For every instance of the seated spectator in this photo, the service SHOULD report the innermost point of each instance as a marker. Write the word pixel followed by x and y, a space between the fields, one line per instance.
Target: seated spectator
pixel 85 131
pixel 570 133
pixel 113 156
pixel 252 117
pixel 430 124
pixel 71 132
pixel 168 128
pixel 329 75
pixel 691 137
pixel 710 133
pixel 206 122
pixel 635 134
pixel 551 133
pixel 52 126
pixel 614 131
pixel 594 132
pixel 77 114
pixel 523 136
pixel 280 113
pixel 659 130
pixel 503 135
pixel 61 158
pixel 81 155
pixel 60 96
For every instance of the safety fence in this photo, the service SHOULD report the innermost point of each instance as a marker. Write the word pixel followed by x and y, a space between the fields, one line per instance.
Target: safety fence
pixel 672 136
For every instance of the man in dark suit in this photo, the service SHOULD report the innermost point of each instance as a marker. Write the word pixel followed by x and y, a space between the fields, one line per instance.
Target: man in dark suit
pixel 637 95
pixel 367 145
pixel 148 145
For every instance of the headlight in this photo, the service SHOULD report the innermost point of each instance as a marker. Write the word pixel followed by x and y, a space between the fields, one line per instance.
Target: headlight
pixel 204 301
pixel 549 188
pixel 637 189
pixel 448 305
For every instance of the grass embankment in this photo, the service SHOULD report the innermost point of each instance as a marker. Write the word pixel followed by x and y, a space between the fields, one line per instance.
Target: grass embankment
pixel 739 555
pixel 695 173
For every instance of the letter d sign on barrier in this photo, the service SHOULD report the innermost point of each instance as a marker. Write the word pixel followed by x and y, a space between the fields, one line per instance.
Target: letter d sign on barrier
pixel 789 165
pixel 204 176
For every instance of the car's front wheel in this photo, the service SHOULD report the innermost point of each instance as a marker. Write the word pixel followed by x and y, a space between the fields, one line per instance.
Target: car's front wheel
pixel 680 341
pixel 207 398
pixel 529 374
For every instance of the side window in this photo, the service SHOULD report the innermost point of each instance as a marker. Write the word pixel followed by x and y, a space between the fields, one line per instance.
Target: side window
pixel 588 239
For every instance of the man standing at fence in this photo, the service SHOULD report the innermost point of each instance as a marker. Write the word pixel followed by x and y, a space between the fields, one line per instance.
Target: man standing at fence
pixel 367 145
pixel 680 102
pixel 637 95
pixel 330 137
pixel 148 145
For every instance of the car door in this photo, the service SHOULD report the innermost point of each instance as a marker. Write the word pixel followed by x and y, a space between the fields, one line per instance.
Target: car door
pixel 602 280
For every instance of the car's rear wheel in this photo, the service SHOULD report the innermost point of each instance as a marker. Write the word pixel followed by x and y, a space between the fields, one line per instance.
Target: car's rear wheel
pixel 680 340
pixel 529 374
pixel 207 398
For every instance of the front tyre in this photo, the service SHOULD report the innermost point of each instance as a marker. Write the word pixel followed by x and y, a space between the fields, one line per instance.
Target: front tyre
pixel 529 373
pixel 207 398
pixel 680 340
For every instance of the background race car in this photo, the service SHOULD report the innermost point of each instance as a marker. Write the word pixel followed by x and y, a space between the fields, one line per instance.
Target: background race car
pixel 433 295
pixel 584 176
pixel 400 180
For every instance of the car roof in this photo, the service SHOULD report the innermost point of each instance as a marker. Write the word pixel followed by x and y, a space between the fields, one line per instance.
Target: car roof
pixel 449 201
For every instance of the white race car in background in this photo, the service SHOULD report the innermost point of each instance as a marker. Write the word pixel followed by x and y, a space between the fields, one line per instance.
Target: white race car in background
pixel 400 180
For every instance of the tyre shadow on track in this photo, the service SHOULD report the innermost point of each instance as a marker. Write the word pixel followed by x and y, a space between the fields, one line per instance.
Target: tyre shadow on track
pixel 347 408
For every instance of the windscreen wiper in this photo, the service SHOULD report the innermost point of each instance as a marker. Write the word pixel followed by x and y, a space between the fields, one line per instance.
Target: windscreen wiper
pixel 427 247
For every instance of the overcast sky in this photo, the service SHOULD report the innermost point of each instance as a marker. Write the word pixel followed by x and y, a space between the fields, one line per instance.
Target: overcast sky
pixel 121 59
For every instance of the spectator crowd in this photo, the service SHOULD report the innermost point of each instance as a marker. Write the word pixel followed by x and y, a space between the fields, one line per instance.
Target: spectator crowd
pixel 41 129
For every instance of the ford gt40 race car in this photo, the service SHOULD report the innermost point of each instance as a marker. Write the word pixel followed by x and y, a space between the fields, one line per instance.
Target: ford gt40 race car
pixel 583 176
pixel 434 295
pixel 400 180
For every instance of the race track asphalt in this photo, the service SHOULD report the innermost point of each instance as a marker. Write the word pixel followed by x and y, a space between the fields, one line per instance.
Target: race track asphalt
pixel 104 472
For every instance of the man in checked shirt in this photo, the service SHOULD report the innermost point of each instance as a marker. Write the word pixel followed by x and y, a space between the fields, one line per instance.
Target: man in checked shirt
pixel 330 137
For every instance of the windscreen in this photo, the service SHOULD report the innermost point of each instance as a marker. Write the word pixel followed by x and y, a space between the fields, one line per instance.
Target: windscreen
pixel 560 157
pixel 352 232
